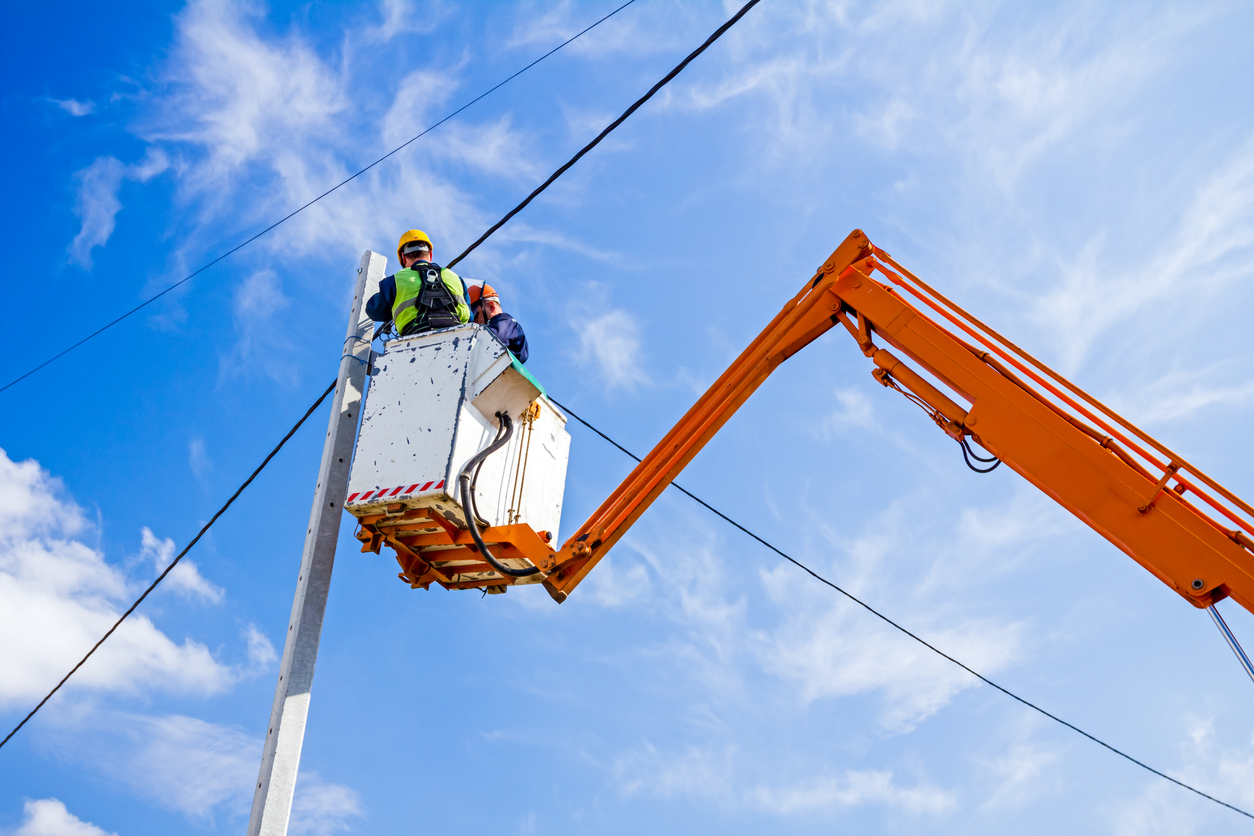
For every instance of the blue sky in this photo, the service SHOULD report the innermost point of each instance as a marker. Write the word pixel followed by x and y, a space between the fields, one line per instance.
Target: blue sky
pixel 1081 176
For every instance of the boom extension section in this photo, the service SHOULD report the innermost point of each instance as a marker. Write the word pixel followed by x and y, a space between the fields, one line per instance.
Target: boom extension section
pixel 1181 525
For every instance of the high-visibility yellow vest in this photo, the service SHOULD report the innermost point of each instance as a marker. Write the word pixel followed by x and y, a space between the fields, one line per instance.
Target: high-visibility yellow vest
pixel 427 297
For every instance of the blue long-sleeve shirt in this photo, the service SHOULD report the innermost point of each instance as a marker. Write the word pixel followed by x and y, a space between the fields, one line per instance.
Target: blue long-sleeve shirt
pixel 508 331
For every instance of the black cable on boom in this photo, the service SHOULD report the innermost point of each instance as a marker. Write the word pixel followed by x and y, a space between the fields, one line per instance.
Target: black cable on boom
pixel 296 212
pixel 917 638
pixel 175 561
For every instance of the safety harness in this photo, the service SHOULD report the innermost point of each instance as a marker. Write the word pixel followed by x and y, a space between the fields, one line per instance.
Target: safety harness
pixel 423 301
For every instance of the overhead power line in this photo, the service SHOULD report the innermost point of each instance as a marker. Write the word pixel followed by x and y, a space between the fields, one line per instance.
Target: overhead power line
pixel 482 238
pixel 907 632
pixel 718 33
pixel 175 561
pixel 297 211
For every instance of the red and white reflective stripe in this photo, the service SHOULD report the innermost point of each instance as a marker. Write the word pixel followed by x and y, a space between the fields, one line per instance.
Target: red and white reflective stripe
pixel 399 489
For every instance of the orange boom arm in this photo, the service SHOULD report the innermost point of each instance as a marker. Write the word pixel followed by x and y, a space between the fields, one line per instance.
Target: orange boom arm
pixel 1192 533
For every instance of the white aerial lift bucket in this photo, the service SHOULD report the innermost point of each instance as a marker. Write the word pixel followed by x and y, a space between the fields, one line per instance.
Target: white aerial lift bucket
pixel 432 405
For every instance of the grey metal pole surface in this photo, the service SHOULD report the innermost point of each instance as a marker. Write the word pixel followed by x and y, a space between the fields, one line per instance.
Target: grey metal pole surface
pixel 280 759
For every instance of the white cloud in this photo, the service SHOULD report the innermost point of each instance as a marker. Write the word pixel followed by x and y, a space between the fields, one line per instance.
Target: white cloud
pixel 261 344
pixel 1221 768
pixel 1211 247
pixel 1180 395
pixel 699 772
pixel 191 766
pixel 612 587
pixel 258 121
pixel 97 203
pixel 716 773
pixel 856 412
pixel 320 809
pixel 610 343
pixel 97 206
pixel 198 459
pixel 1021 773
pixel 621 33
pixel 185 577
pixel 58 596
pixel 181 763
pixel 74 107
pixel 48 817
pixel 828 648
pixel 833 650
pixel 852 789
pixel 238 95
pixel 261 653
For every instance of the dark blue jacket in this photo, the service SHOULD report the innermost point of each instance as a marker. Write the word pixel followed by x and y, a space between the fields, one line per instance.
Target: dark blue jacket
pixel 379 307
pixel 507 330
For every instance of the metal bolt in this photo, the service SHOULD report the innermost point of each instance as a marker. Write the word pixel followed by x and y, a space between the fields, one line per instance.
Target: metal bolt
pixel 1198 584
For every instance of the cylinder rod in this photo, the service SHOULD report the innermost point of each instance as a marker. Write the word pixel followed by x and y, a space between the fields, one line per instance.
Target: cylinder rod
pixel 1231 640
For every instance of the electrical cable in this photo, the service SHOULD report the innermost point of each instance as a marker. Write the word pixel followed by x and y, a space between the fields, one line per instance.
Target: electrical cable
pixel 474 531
pixel 608 128
pixel 902 629
pixel 175 561
pixel 296 212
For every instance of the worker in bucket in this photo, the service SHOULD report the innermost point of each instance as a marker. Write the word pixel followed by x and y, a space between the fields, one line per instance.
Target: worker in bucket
pixel 422 295
pixel 485 304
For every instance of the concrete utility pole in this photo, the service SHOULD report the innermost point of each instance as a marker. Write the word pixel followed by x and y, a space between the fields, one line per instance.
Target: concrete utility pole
pixel 276 783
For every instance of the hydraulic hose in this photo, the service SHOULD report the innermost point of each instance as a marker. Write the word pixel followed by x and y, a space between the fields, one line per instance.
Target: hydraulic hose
pixel 463 480
pixel 474 480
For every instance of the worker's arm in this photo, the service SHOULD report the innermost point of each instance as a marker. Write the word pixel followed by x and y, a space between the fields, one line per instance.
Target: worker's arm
pixel 379 306
pixel 509 332
pixel 1173 519
pixel 456 287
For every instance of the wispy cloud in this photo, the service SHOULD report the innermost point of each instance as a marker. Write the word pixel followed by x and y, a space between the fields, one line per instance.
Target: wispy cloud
pixel 852 789
pixel 1225 769
pixel 1178 395
pixel 261 653
pixel 74 107
pixel 198 459
pixel 610 345
pixel 97 206
pixel 261 345
pixel 181 763
pixel 1211 247
pixel 321 809
pixel 97 203
pixel 184 578
pixel 190 766
pixel 695 771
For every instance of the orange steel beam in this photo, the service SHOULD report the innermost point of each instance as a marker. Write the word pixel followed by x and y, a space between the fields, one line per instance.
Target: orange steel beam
pixel 1024 422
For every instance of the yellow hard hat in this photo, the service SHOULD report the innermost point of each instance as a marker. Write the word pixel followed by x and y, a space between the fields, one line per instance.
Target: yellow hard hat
pixel 411 236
